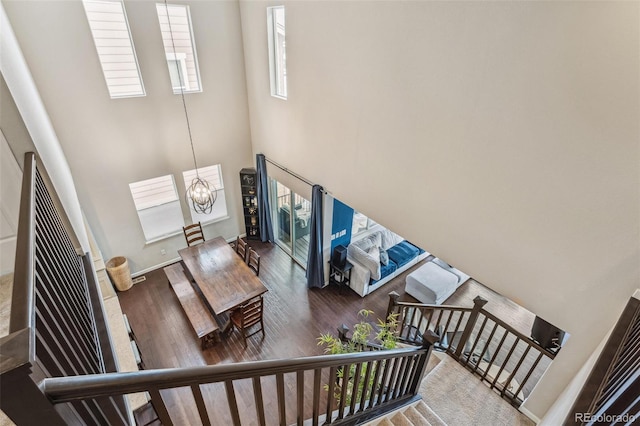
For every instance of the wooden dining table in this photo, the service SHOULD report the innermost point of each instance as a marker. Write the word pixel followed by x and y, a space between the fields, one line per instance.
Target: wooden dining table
pixel 222 276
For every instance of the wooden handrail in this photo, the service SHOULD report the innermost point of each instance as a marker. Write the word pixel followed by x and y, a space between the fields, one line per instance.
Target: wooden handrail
pixel 17 349
pixel 396 373
pixel 393 302
pixel 22 299
pixel 65 389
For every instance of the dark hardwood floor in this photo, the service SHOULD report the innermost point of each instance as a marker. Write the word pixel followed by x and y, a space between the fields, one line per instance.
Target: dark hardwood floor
pixel 294 318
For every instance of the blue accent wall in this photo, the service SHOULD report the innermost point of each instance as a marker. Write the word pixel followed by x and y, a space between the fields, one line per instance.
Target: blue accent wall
pixel 341 225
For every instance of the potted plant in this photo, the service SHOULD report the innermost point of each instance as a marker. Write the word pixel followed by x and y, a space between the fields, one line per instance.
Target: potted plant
pixel 364 337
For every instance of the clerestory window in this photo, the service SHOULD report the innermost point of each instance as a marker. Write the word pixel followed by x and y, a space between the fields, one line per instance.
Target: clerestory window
pixel 112 38
pixel 277 53
pixel 179 47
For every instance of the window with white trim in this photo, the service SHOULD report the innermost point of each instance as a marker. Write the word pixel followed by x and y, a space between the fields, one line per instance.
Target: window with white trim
pixel 111 35
pixel 179 47
pixel 158 206
pixel 213 175
pixel 277 53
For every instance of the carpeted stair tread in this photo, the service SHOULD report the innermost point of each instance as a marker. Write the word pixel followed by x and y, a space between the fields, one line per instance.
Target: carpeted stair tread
pixel 429 414
pixel 459 398
pixel 385 422
pixel 401 420
pixel 415 417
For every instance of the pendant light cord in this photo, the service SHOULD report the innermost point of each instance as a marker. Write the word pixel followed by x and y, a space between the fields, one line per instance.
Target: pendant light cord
pixel 184 104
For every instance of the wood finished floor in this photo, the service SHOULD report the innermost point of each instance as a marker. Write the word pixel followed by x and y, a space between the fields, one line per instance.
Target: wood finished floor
pixel 294 317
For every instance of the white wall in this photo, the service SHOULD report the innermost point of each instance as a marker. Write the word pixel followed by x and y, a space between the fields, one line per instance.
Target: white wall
pixel 10 185
pixel 33 116
pixel 112 142
pixel 500 136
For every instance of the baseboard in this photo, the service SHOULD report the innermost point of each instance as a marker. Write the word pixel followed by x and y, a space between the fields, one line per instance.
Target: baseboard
pixel 529 414
pixel 153 268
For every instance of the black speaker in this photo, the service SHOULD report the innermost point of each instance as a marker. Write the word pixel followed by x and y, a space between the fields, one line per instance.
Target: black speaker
pixel 339 257
pixel 546 335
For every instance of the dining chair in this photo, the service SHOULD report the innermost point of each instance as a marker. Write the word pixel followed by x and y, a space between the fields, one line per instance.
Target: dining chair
pixel 241 248
pixel 193 234
pixel 248 315
pixel 253 260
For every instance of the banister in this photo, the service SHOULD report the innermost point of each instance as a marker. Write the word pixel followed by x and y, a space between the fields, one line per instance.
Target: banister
pixel 393 302
pixel 66 389
pixel 22 299
pixel 519 335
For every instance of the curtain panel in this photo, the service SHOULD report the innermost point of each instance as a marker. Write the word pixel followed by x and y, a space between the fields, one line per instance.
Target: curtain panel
pixel 264 211
pixel 315 267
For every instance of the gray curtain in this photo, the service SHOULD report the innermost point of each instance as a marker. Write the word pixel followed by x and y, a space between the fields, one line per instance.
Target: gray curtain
pixel 315 265
pixel 264 211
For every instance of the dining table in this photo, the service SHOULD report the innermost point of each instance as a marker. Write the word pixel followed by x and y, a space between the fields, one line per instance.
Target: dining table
pixel 223 278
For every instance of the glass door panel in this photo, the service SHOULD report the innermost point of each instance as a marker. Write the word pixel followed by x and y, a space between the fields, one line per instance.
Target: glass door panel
pixel 281 213
pixel 291 215
pixel 301 227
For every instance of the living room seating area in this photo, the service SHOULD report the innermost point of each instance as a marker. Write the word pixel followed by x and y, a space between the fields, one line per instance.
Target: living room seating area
pixel 378 257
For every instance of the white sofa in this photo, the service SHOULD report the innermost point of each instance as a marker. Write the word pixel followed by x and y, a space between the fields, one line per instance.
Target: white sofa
pixel 378 257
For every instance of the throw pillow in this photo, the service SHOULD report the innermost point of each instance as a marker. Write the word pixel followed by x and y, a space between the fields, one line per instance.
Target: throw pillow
pixel 374 252
pixel 384 257
pixel 389 239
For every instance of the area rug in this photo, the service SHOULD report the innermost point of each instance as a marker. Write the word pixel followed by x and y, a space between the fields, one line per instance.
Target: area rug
pixel 461 399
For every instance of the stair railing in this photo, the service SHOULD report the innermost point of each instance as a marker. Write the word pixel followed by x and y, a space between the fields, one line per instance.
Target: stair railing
pixel 385 380
pixel 510 362
pixel 610 394
pixel 57 322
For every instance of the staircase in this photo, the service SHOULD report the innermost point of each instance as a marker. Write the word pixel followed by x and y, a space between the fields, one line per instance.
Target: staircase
pixel 418 414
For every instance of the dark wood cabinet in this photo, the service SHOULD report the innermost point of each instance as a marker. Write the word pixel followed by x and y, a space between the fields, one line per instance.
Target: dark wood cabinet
pixel 249 188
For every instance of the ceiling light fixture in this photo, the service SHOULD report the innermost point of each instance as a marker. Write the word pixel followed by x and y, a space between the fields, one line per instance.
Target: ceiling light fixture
pixel 201 194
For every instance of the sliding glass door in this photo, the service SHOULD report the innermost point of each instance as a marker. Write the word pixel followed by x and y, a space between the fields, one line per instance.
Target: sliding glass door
pixel 291 221
pixel 281 213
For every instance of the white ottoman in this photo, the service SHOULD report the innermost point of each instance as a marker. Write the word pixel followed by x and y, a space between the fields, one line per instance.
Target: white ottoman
pixel 432 284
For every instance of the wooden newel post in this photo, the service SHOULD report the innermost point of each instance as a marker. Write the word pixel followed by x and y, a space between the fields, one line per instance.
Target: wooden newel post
pixel 24 403
pixel 429 338
pixel 342 333
pixel 393 302
pixel 478 304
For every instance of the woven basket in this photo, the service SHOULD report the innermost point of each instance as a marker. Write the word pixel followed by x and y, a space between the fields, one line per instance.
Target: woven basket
pixel 118 269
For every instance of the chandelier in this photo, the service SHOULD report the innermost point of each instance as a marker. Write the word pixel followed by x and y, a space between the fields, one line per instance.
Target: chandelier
pixel 201 194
